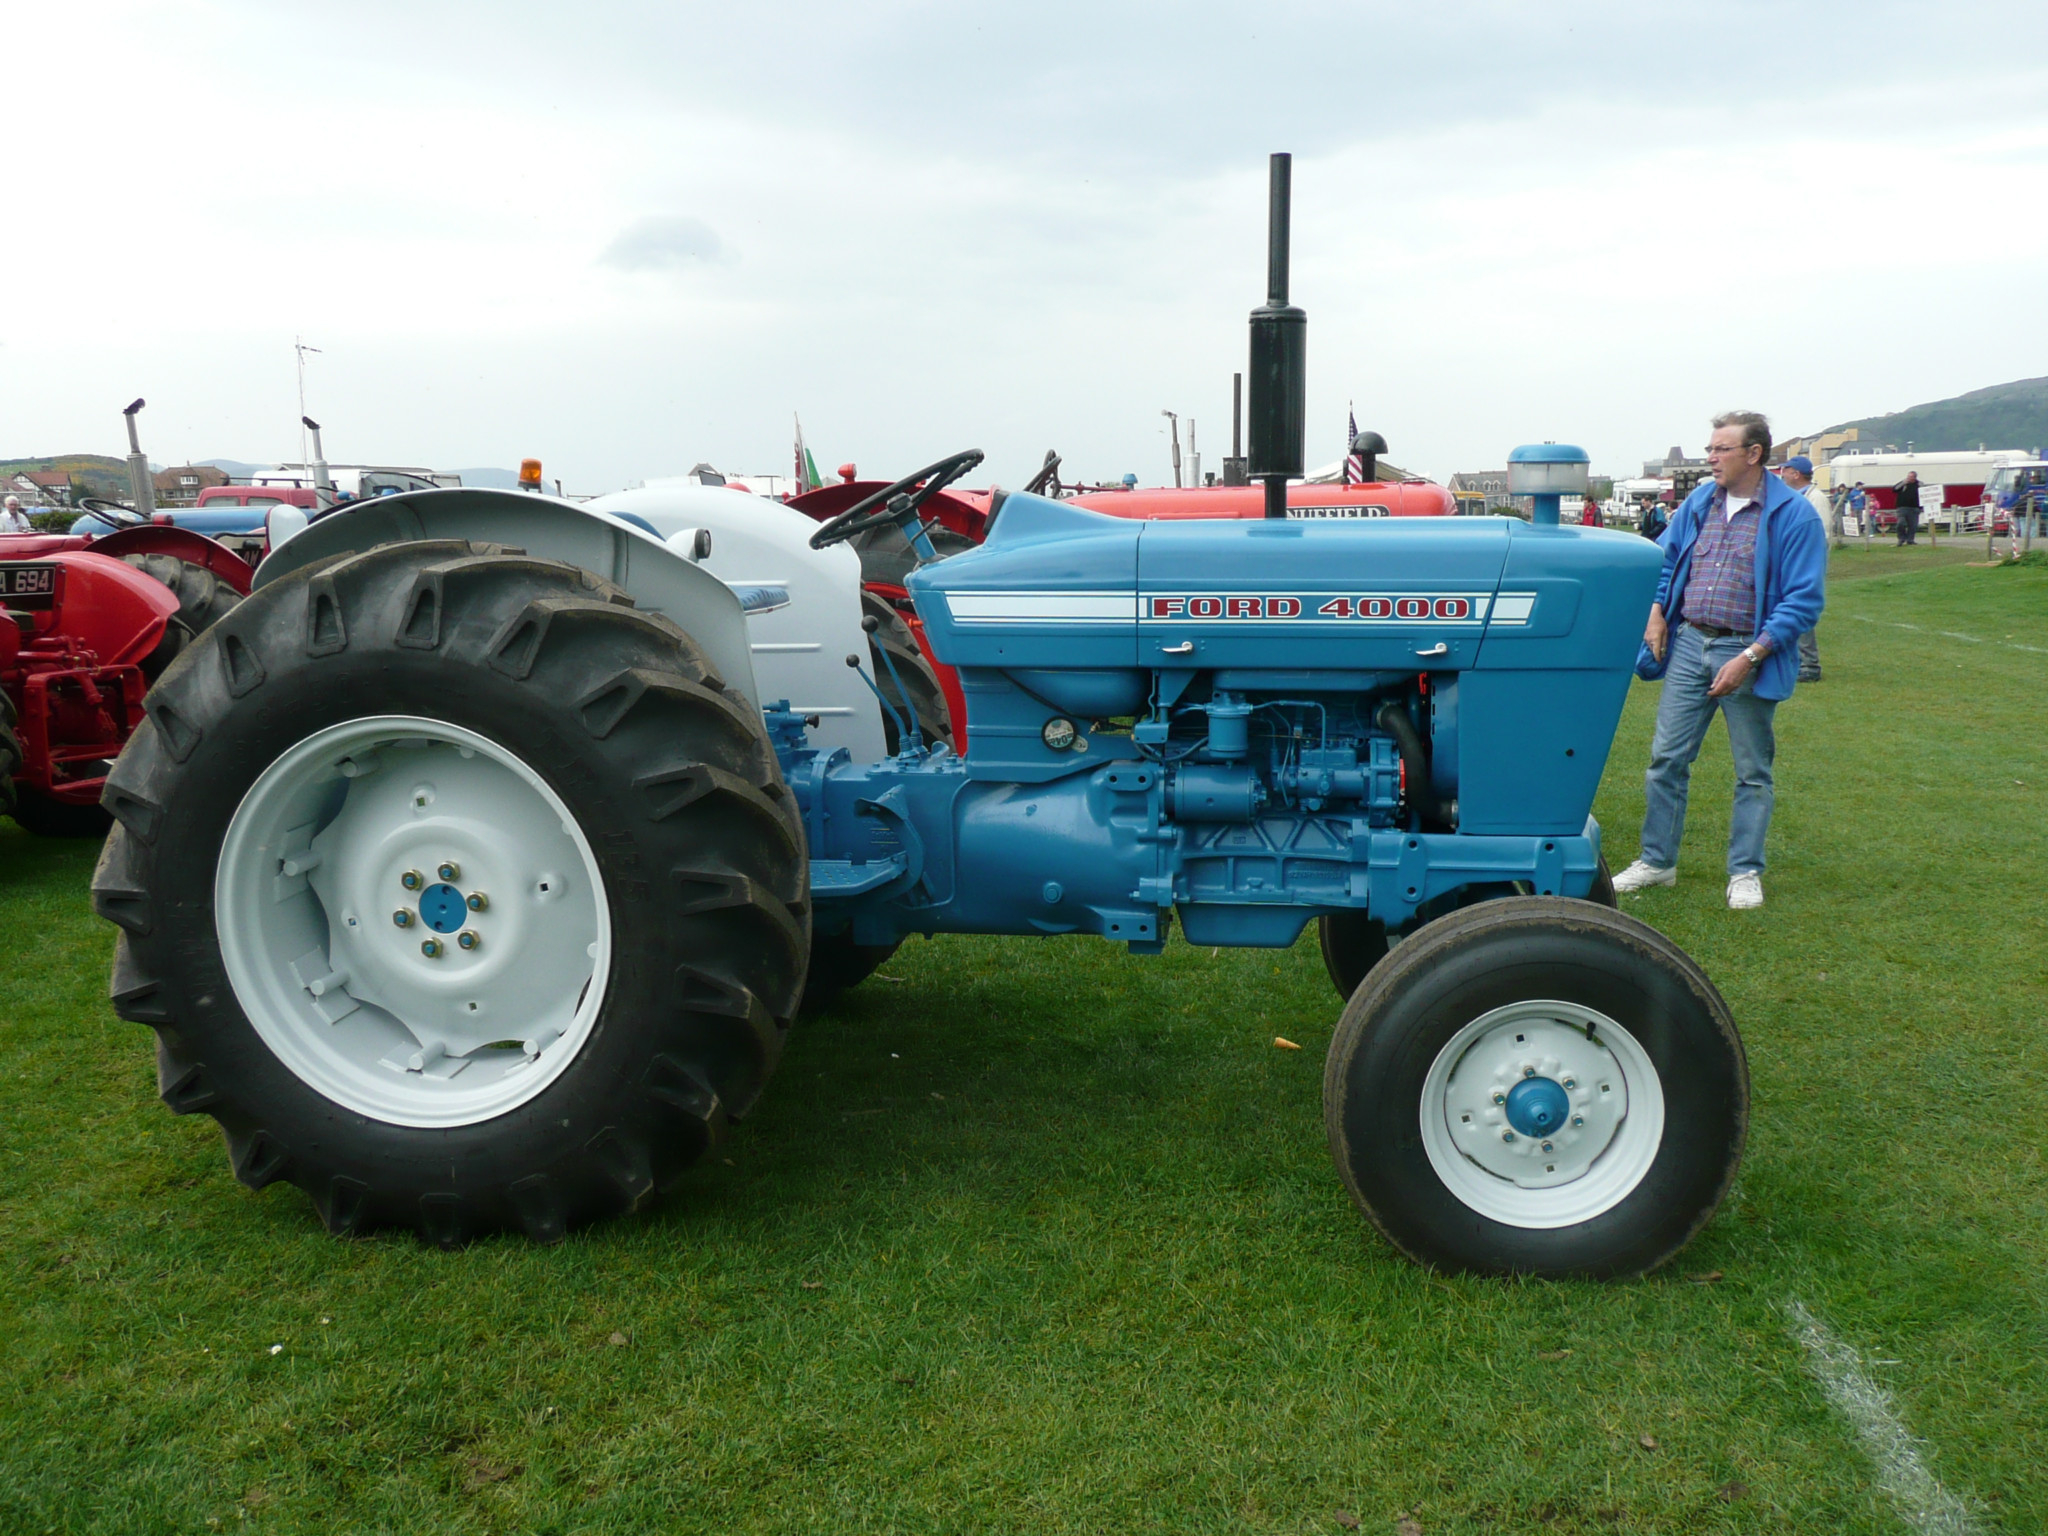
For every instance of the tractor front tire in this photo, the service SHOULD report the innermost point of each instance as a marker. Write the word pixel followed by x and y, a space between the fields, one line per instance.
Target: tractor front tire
pixel 460 892
pixel 837 965
pixel 1537 1085
pixel 1602 892
pixel 1352 944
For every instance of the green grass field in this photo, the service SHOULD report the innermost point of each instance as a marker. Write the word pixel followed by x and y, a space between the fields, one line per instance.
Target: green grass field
pixel 1038 1237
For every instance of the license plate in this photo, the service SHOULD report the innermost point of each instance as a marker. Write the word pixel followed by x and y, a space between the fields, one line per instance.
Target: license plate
pixel 27 584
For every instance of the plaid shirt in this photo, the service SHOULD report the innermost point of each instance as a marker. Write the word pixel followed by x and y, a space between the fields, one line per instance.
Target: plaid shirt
pixel 1722 590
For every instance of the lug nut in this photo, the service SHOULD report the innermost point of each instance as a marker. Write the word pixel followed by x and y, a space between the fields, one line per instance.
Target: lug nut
pixel 477 901
pixel 1548 1147
pixel 468 939
pixel 1500 1098
pixel 412 879
pixel 1528 1071
pixel 431 948
pixel 1578 1122
pixel 1507 1135
pixel 1570 1083
pixel 450 871
pixel 402 917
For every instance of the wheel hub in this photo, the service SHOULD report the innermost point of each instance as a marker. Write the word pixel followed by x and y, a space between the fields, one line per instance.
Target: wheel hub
pixel 1542 1114
pixel 413 921
pixel 443 908
pixel 1536 1106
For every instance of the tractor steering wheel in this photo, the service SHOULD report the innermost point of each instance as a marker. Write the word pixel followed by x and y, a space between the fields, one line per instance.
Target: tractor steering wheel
pixel 112 512
pixel 896 504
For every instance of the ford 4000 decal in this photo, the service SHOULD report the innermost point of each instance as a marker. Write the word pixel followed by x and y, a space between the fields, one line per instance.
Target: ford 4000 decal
pixel 1336 607
pixel 1393 608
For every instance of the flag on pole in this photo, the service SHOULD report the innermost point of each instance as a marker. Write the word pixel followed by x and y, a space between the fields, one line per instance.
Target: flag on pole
pixel 1354 464
pixel 806 474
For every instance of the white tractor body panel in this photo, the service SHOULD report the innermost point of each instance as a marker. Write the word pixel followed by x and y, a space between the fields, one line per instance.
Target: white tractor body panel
pixel 799 647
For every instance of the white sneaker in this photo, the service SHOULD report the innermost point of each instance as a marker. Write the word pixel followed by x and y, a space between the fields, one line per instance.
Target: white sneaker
pixel 1746 890
pixel 1639 874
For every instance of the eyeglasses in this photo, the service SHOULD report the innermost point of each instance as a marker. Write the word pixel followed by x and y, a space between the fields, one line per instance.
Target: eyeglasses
pixel 1715 452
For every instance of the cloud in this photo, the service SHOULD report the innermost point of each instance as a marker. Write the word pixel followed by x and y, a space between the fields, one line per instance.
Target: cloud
pixel 665 243
pixel 1597 221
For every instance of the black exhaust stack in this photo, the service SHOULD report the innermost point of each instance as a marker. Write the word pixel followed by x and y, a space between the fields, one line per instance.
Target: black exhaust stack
pixel 1279 359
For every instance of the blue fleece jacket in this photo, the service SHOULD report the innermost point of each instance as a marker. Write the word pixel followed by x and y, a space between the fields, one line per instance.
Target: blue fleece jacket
pixel 1791 569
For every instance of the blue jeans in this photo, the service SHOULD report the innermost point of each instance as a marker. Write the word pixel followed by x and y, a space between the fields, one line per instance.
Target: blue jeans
pixel 1683 715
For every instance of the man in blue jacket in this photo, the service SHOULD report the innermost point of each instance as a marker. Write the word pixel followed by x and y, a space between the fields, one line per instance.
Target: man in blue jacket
pixel 1744 563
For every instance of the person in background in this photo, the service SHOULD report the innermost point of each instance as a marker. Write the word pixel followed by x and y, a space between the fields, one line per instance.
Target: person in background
pixel 1744 568
pixel 1655 520
pixel 13 519
pixel 1589 514
pixel 1908 492
pixel 1797 472
pixel 1859 504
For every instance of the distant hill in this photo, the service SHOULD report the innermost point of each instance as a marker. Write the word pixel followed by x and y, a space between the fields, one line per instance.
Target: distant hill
pixel 99 474
pixel 2011 415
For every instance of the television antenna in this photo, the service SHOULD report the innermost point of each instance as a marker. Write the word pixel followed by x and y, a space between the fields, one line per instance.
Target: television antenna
pixel 299 346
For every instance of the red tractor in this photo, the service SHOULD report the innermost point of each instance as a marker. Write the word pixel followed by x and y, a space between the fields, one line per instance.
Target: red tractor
pixel 959 519
pixel 86 625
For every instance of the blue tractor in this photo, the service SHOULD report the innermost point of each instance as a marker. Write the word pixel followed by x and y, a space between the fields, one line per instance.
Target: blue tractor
pixel 472 871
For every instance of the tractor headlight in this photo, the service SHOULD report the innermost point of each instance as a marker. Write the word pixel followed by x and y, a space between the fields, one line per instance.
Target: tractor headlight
pixel 1058 733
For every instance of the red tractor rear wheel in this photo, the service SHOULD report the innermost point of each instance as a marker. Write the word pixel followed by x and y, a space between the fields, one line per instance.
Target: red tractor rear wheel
pixel 10 755
pixel 202 598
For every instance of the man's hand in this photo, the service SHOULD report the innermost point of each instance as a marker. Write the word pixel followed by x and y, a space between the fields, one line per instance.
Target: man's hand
pixel 1731 677
pixel 1655 634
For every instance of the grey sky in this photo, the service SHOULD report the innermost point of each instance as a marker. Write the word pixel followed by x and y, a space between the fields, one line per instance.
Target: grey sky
pixel 628 237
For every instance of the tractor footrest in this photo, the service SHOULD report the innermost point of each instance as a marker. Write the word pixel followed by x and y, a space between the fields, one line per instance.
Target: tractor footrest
pixel 836 879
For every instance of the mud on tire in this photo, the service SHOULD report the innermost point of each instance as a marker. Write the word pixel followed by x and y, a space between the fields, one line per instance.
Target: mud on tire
pixel 673 790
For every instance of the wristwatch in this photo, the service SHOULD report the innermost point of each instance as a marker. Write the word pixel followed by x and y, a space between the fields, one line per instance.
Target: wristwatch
pixel 1751 655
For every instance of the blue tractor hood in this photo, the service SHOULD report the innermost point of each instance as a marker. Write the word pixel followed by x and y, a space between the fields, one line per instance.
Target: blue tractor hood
pixel 1059 587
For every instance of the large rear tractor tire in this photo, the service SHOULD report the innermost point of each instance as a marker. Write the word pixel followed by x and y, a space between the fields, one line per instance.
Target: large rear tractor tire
pixel 38 814
pixel 886 555
pixel 461 893
pixel 912 687
pixel 10 755
pixel 202 596
pixel 1536 1085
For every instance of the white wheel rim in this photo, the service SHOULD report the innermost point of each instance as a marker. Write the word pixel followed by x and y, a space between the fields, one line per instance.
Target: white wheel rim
pixel 1604 1097
pixel 313 871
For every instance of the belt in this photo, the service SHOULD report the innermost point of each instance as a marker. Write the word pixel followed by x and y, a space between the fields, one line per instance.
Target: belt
pixel 1711 631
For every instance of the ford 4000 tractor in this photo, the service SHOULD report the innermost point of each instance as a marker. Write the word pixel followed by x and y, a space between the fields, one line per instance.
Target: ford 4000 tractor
pixel 473 869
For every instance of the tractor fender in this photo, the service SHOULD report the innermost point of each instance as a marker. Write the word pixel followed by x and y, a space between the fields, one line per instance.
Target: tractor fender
pixel 108 607
pixel 658 579
pixel 801 638
pixel 183 544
